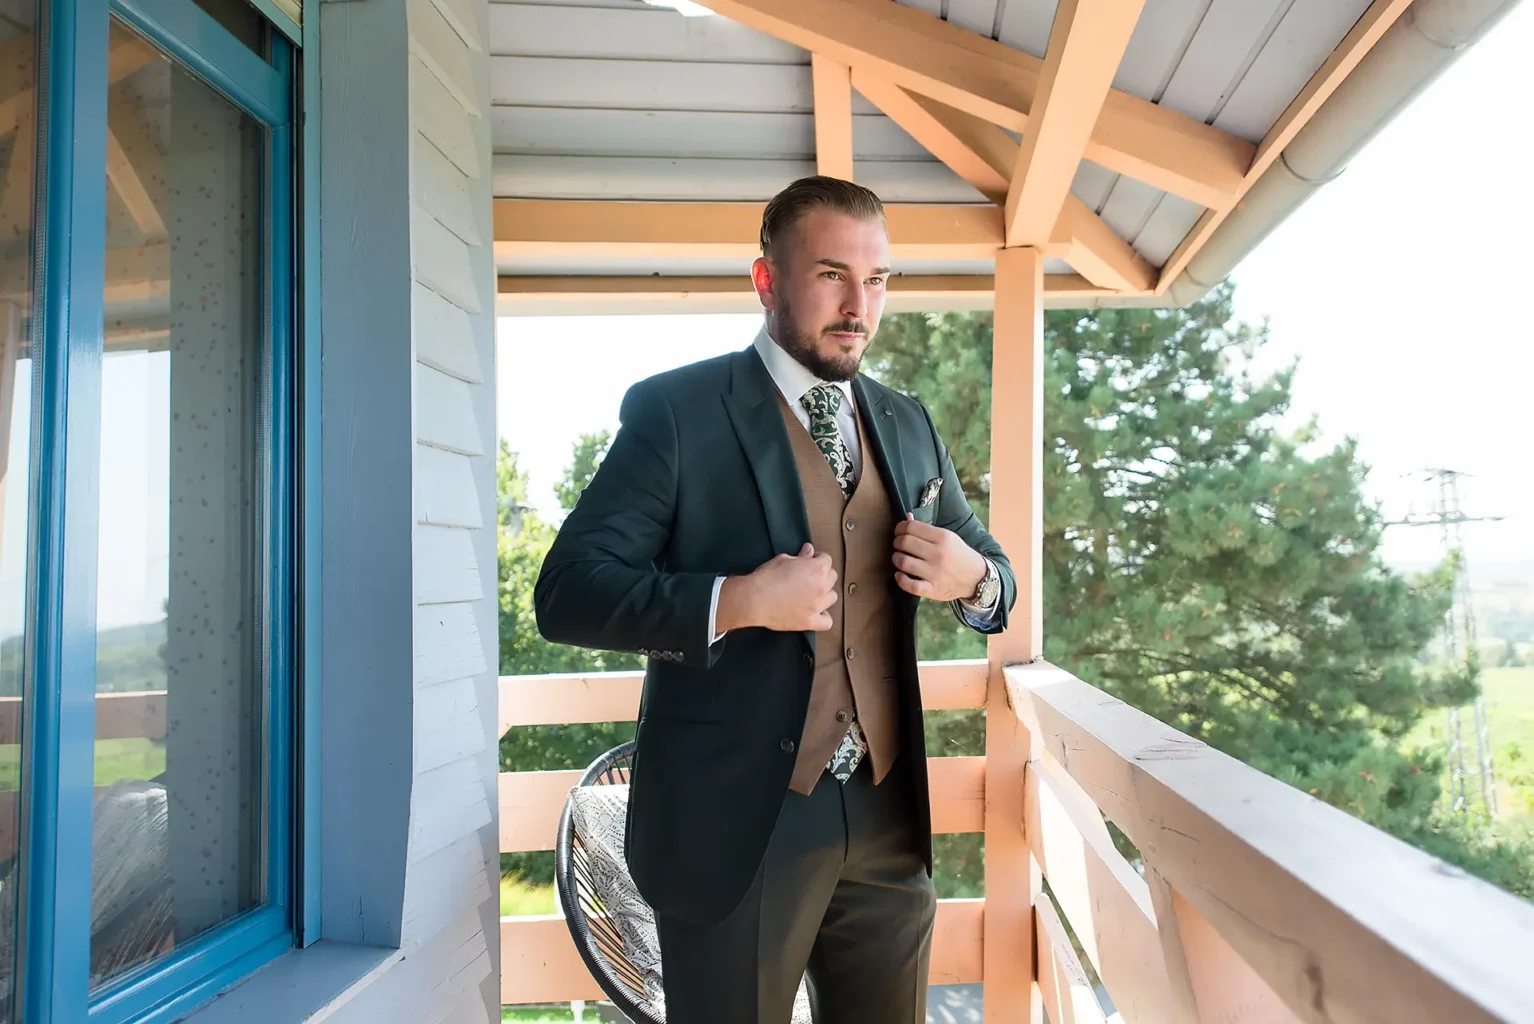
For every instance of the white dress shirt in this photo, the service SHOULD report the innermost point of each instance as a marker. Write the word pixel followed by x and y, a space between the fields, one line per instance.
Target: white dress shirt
pixel 794 381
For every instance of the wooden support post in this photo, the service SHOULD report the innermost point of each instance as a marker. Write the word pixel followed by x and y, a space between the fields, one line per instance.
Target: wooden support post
pixel 1013 882
pixel 833 117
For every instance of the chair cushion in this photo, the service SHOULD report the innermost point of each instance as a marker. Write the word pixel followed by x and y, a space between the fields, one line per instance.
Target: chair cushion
pixel 598 815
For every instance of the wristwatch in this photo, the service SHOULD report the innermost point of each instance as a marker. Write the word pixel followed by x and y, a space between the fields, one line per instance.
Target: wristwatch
pixel 989 588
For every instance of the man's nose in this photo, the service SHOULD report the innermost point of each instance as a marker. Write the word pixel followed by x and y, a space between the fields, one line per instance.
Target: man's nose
pixel 855 301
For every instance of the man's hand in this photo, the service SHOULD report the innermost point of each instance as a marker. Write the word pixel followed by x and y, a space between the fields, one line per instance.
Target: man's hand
pixel 934 563
pixel 788 594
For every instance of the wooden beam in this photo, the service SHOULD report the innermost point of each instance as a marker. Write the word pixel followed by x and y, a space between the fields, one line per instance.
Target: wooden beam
pixel 972 147
pixel 984 155
pixel 136 170
pixel 529 295
pixel 531 802
pixel 927 55
pixel 1106 902
pixel 833 117
pixel 1086 43
pixel 16 203
pixel 1068 995
pixel 128 55
pixel 1306 895
pixel 1353 48
pixel 1097 253
pixel 579 698
pixel 531 228
pixel 1013 882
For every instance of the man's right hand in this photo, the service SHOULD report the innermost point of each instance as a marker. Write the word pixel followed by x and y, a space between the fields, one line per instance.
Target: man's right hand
pixel 790 593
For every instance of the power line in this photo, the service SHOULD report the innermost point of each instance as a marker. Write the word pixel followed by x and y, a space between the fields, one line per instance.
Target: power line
pixel 1459 637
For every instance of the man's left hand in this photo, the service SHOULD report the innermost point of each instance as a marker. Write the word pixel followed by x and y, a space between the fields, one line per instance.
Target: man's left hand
pixel 934 563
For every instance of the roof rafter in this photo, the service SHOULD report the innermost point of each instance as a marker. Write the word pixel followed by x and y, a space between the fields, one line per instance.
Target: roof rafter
pixel 1086 43
pixel 927 55
pixel 658 230
pixel 539 295
pixel 1353 48
pixel 984 155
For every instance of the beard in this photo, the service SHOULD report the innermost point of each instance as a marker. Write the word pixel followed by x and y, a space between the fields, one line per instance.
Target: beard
pixel 799 343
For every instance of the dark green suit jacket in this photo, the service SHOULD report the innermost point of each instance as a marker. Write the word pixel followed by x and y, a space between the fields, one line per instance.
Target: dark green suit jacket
pixel 700 482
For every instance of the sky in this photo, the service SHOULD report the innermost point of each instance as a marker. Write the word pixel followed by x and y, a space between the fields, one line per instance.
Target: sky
pixel 1390 286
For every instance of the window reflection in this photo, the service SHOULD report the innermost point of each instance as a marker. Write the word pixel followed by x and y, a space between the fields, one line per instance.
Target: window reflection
pixel 180 713
pixel 18 145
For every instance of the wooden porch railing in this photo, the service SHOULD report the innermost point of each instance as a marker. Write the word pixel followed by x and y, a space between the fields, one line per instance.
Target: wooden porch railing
pixel 135 715
pixel 1254 901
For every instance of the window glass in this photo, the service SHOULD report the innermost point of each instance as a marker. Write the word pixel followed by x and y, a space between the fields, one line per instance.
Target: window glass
pixel 18 145
pixel 180 809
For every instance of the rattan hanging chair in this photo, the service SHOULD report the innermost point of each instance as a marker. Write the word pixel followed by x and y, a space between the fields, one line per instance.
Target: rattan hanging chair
pixel 613 927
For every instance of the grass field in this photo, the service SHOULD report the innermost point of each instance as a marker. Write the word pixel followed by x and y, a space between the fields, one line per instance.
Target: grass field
pixel 1510 718
pixel 116 760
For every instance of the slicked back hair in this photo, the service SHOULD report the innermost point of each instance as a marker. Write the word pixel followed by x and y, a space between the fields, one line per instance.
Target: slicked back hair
pixel 788 207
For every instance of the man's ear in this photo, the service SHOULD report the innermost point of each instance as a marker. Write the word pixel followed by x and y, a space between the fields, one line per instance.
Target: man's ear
pixel 761 280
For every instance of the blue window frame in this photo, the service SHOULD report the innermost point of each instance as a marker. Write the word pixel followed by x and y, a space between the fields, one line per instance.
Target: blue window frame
pixel 59 724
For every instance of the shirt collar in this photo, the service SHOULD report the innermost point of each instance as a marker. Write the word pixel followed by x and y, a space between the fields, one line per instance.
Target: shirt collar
pixel 793 379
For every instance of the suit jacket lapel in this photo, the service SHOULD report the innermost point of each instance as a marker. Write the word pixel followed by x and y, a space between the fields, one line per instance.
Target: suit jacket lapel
pixel 753 409
pixel 884 437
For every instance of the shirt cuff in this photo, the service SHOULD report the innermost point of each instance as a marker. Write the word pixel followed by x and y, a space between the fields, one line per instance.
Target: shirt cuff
pixel 977 616
pixel 713 613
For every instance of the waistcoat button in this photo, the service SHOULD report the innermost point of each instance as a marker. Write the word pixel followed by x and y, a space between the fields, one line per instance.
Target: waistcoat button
pixel 851 654
pixel 787 746
pixel 852 588
pixel 851 525
pixel 844 716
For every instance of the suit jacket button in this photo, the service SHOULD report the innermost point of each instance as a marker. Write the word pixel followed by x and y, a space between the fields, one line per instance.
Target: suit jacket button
pixel 787 746
pixel 644 651
pixel 809 659
pixel 678 655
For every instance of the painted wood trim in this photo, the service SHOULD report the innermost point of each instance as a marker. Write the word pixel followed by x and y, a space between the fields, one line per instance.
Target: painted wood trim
pixel 531 228
pixel 1133 136
pixel 833 117
pixel 1106 902
pixel 1329 884
pixel 531 802
pixel 972 147
pixel 1096 252
pixel 1013 881
pixel 614 696
pixel 1086 44
pixel 525 295
pixel 539 963
pixel 460 15
pixel 1354 47
pixel 1067 994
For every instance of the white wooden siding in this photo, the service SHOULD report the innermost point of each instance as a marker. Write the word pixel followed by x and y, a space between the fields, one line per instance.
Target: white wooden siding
pixel 445 413
pixel 447 644
pixel 446 493
pixel 431 109
pixel 443 192
pixel 446 569
pixel 444 335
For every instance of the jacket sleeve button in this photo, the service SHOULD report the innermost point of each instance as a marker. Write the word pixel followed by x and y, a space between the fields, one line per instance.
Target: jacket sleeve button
pixel 787 746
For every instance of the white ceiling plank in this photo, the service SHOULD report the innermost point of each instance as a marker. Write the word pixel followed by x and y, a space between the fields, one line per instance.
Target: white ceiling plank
pixel 1220 48
pixel 642 33
pixel 1165 29
pixel 1025 25
pixel 978 16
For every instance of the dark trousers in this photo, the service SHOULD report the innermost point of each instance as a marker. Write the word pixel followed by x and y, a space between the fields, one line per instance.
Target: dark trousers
pixel 841 894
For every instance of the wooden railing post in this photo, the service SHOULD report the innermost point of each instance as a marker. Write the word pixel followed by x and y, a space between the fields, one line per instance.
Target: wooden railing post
pixel 1012 879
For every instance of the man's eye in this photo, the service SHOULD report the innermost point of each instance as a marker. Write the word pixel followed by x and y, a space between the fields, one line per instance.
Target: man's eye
pixel 876 281
pixel 833 275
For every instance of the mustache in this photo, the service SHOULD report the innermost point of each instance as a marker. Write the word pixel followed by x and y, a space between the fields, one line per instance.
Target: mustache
pixel 846 327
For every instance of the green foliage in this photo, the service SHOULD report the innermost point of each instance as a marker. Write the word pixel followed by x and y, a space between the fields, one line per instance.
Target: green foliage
pixel 588 454
pixel 1205 566
pixel 523 539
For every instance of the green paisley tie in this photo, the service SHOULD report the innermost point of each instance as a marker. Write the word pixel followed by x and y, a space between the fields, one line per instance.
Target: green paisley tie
pixel 824 401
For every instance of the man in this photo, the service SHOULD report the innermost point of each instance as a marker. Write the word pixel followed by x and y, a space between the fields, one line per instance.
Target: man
pixel 762 529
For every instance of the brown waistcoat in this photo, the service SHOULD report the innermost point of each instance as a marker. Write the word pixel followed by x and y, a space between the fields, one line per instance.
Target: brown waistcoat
pixel 855 660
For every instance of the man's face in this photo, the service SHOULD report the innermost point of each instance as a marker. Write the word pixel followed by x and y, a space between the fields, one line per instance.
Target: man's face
pixel 825 293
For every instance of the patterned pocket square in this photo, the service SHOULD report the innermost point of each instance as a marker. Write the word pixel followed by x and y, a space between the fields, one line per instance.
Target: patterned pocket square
pixel 930 491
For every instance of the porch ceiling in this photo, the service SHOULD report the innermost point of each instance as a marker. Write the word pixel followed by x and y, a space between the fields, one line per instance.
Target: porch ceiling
pixel 624 101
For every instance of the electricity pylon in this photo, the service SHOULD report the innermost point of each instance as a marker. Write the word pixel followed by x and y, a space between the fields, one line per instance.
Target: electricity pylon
pixel 1459 639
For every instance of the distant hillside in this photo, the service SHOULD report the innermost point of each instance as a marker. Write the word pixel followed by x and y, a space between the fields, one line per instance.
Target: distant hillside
pixel 1503 595
pixel 127 658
